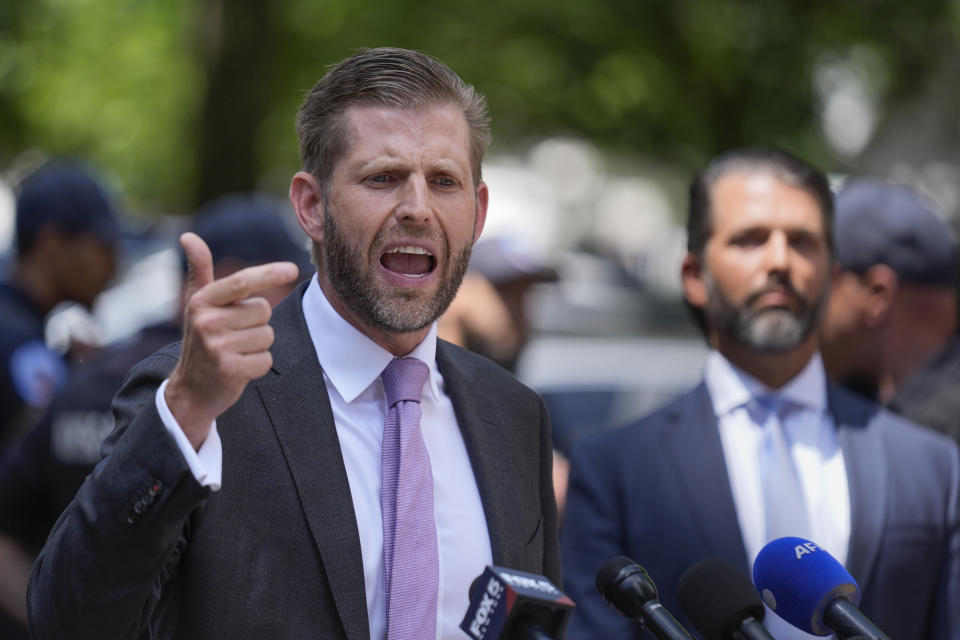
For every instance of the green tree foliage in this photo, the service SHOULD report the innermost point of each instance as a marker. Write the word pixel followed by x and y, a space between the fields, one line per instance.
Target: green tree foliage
pixel 183 100
pixel 112 81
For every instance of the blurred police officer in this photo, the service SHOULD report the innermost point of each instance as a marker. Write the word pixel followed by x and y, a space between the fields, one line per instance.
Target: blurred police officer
pixel 890 327
pixel 66 233
pixel 42 475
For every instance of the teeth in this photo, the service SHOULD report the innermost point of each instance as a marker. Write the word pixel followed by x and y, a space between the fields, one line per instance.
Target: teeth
pixel 410 249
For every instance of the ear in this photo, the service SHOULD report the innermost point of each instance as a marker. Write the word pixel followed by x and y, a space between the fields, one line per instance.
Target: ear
pixel 483 198
pixel 307 200
pixel 694 283
pixel 882 286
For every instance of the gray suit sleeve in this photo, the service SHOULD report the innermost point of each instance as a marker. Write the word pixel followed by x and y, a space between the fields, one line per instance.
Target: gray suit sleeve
pixel 104 567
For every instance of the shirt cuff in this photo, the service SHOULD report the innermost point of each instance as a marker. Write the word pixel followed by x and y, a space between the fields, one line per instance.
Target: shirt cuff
pixel 206 463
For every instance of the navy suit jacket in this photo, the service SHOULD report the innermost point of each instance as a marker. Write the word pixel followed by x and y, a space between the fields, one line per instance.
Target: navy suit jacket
pixel 658 492
pixel 144 551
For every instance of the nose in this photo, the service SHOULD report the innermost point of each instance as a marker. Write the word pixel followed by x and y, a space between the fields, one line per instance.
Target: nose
pixel 415 203
pixel 777 252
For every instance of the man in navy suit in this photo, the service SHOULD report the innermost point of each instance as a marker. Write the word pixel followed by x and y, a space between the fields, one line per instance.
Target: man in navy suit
pixel 240 494
pixel 765 446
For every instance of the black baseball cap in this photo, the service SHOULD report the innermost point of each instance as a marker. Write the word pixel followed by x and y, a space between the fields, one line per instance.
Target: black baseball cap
pixel 880 223
pixel 248 228
pixel 66 196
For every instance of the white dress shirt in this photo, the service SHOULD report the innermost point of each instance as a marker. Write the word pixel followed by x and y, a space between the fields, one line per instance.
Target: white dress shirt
pixel 352 364
pixel 814 447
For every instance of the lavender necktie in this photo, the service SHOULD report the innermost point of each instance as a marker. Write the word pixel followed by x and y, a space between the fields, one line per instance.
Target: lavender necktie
pixel 411 560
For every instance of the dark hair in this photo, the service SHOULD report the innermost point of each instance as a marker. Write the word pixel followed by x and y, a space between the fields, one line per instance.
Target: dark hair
pixel 383 77
pixel 786 166
pixel 789 168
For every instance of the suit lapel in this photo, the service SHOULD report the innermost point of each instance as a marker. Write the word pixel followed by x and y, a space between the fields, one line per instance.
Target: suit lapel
pixel 865 461
pixel 477 415
pixel 692 441
pixel 297 403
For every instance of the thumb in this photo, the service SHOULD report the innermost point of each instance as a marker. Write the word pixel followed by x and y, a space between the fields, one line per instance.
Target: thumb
pixel 199 262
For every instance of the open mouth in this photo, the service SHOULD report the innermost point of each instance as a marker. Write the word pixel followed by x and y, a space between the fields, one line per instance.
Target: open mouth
pixel 410 261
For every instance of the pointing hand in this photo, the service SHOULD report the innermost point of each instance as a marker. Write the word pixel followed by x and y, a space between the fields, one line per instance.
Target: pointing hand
pixel 226 338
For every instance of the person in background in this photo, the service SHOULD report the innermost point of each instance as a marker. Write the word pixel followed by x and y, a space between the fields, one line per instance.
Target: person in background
pixel 66 233
pixel 478 320
pixel 330 469
pixel 765 446
pixel 890 329
pixel 489 314
pixel 43 473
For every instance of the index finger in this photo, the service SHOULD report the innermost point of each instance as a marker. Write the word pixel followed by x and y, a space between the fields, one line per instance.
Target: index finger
pixel 247 282
pixel 199 262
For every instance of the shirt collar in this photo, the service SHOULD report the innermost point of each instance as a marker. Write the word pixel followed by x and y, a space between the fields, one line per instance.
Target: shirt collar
pixel 351 360
pixel 730 387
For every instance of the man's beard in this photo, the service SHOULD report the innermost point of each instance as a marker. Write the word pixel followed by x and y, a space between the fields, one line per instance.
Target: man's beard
pixel 771 330
pixel 380 306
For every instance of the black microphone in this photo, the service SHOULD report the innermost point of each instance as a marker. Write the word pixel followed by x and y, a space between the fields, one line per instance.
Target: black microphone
pixel 808 588
pixel 627 587
pixel 721 602
pixel 515 605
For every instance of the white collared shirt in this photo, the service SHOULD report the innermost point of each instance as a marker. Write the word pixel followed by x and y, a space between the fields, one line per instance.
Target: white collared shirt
pixel 814 446
pixel 352 364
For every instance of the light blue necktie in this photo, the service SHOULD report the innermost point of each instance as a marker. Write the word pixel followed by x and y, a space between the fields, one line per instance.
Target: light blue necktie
pixel 410 555
pixel 783 504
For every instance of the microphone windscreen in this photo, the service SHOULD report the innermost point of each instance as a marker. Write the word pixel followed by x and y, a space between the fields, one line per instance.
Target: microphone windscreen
pixel 608 572
pixel 717 596
pixel 798 580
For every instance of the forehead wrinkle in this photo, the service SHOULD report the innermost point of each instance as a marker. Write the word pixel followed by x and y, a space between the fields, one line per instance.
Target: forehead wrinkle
pixel 399 140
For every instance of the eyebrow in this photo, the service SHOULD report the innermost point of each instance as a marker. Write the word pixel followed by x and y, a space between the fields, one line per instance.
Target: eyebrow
pixel 388 163
pixel 789 231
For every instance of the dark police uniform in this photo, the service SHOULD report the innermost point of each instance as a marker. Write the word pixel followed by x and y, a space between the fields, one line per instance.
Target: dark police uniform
pixel 931 394
pixel 30 374
pixel 40 477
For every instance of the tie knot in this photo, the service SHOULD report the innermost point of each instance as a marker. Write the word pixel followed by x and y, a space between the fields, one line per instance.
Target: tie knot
pixel 775 405
pixel 403 380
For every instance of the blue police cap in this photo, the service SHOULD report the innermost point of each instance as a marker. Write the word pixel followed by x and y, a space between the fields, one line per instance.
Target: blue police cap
pixel 879 223
pixel 248 228
pixel 67 197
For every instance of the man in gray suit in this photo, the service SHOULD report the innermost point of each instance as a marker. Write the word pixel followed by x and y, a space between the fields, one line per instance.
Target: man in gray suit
pixel 765 446
pixel 240 495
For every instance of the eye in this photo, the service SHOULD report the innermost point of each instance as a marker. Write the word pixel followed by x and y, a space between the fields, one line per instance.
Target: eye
pixel 380 178
pixel 804 242
pixel 445 181
pixel 750 238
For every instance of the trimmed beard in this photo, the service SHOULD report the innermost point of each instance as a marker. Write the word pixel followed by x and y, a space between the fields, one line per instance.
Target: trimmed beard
pixel 390 310
pixel 767 330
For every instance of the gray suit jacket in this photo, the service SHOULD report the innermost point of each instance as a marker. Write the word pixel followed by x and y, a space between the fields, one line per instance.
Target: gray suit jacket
pixel 144 551
pixel 657 491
